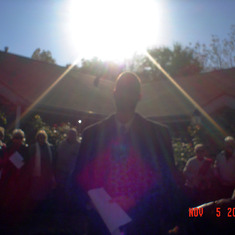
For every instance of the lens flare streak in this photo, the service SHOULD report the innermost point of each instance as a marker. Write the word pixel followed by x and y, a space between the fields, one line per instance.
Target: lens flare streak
pixel 48 89
pixel 194 103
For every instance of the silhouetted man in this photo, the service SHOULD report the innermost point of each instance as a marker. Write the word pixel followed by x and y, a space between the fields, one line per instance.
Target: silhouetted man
pixel 131 158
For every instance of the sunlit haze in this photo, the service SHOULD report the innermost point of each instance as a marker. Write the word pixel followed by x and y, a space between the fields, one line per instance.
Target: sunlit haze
pixel 111 29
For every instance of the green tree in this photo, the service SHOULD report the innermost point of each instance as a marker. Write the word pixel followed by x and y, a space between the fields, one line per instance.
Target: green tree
pixel 3 118
pixel 43 56
pixel 178 61
pixel 94 66
pixel 35 123
pixel 219 54
pixel 184 147
pixel 101 69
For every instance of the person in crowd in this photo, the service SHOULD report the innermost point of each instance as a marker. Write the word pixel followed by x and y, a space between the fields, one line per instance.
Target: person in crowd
pixel 224 168
pixel 14 180
pixel 67 152
pixel 198 174
pixel 2 148
pixel 41 169
pixel 131 158
pixel 2 144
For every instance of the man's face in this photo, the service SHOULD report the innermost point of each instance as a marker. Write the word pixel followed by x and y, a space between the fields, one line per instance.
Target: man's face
pixel 41 139
pixel 72 136
pixel 17 140
pixel 127 94
pixel 229 147
pixel 201 153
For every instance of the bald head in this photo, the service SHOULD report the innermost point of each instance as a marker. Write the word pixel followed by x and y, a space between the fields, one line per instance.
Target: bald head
pixel 128 81
pixel 127 91
pixel 229 145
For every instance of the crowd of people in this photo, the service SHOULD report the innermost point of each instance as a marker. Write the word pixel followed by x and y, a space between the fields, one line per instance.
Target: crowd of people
pixel 127 157
pixel 30 176
pixel 208 179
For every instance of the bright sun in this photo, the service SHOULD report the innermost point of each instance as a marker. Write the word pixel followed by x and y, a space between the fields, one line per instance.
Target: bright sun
pixel 113 29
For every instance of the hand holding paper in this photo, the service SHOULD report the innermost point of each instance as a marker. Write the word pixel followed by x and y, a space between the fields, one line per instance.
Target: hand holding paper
pixel 112 214
pixel 17 160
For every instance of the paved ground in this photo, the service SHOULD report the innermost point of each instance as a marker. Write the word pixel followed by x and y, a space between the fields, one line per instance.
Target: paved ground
pixel 53 223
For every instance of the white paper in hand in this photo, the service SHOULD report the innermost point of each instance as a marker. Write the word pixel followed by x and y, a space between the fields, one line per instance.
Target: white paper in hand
pixel 17 160
pixel 111 213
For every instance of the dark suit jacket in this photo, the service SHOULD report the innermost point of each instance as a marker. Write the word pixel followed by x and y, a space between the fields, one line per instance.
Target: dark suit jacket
pixel 152 142
pixel 151 139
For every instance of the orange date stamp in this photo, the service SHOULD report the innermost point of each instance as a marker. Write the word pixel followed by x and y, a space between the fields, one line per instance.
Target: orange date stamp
pixel 230 212
pixel 195 212
pixel 198 212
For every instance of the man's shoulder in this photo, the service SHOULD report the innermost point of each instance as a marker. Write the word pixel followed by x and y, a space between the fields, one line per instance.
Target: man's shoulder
pixel 192 159
pixel 151 124
pixel 139 120
pixel 100 125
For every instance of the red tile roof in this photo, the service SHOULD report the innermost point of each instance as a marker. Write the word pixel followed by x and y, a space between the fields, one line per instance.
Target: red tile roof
pixel 28 79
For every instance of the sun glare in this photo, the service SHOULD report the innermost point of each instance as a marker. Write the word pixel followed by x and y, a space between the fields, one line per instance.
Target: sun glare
pixel 113 30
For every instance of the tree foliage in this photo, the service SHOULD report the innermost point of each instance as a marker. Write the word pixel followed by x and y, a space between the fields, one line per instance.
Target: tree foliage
pixel 101 69
pixel 178 61
pixel 219 54
pixel 55 133
pixel 3 118
pixel 184 147
pixel 43 55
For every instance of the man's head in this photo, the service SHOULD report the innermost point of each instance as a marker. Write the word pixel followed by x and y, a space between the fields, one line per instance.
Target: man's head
pixel 127 91
pixel 41 137
pixel 17 137
pixel 229 144
pixel 200 151
pixel 72 135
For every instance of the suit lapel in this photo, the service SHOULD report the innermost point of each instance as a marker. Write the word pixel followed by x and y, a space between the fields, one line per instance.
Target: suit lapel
pixel 110 128
pixel 143 137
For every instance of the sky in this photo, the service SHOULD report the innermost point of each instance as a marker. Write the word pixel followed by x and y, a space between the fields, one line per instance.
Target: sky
pixel 109 29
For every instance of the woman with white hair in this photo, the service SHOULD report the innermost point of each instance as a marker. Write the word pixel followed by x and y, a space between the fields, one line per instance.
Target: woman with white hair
pixel 2 144
pixel 2 147
pixel 41 168
pixel 14 181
